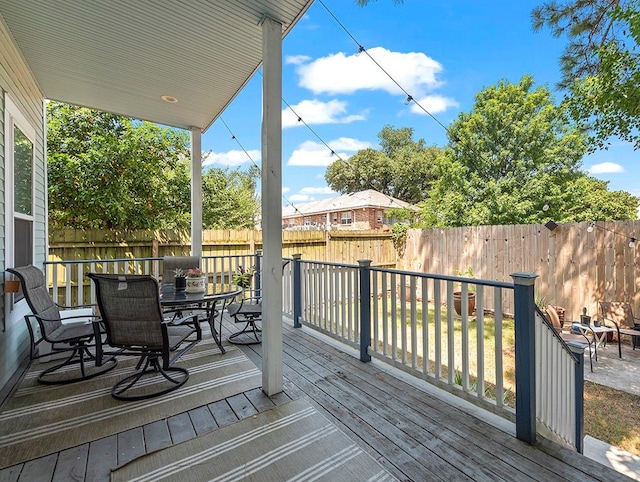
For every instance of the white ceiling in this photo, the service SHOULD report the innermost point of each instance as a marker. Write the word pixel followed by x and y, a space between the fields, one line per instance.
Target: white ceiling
pixel 121 56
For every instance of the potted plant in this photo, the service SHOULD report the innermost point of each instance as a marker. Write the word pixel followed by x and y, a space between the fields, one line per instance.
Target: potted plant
pixel 471 294
pixel 196 281
pixel 243 276
pixel 180 282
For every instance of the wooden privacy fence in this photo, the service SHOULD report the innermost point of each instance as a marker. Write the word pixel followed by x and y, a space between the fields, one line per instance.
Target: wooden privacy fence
pixel 337 246
pixel 577 267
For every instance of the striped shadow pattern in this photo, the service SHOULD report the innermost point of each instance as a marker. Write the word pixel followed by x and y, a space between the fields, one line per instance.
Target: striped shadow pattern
pixel 290 442
pixel 43 419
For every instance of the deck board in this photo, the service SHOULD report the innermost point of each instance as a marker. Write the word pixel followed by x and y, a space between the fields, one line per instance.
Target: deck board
pixel 130 445
pixel 202 420
pixel 414 434
pixel 72 464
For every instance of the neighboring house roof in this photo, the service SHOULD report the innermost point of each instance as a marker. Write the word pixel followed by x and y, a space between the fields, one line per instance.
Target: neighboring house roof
pixel 121 56
pixel 355 200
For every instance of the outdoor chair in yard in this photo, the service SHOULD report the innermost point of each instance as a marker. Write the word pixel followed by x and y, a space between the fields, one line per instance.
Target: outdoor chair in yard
pixel 583 338
pixel 620 314
pixel 130 309
pixel 69 330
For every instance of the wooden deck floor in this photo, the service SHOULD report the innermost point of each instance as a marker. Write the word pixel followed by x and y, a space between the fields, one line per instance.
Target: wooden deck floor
pixel 414 435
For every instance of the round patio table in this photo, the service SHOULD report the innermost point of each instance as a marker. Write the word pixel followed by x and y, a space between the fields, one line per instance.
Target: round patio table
pixel 209 301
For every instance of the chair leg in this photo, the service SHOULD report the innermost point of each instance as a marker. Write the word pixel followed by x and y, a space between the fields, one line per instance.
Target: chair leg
pixel 250 329
pixel 81 353
pixel 139 385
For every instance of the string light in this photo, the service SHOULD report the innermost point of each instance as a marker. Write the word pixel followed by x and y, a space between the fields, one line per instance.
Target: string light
pixel 408 100
pixel 545 207
pixel 632 239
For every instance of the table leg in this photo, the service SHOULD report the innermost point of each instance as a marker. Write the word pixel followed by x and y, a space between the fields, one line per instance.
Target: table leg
pixel 217 334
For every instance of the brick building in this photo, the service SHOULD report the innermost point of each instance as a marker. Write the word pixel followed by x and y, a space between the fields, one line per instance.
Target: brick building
pixel 360 210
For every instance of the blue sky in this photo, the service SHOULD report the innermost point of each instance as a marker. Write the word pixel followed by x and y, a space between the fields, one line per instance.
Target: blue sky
pixel 442 53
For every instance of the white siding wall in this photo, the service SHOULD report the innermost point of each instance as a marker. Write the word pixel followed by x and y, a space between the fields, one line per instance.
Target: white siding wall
pixel 16 80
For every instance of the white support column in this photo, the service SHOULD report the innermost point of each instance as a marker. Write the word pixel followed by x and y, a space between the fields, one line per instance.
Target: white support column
pixel 272 381
pixel 196 191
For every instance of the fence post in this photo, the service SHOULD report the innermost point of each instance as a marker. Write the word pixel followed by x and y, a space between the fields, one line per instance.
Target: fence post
pixel 365 309
pixel 579 400
pixel 524 314
pixel 297 290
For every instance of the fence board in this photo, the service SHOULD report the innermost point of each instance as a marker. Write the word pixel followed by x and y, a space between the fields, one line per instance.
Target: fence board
pixel 576 268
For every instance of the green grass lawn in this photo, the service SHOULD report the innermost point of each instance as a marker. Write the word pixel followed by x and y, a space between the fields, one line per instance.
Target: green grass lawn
pixel 618 423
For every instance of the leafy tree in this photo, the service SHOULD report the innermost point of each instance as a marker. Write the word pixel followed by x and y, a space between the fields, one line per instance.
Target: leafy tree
pixel 110 172
pixel 229 199
pixel 402 168
pixel 600 65
pixel 512 156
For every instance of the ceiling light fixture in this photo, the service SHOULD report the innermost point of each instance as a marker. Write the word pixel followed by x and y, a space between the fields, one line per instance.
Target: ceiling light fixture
pixel 170 99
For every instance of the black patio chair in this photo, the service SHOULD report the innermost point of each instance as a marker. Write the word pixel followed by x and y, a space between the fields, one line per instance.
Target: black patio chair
pixel 169 266
pixel 69 330
pixel 248 311
pixel 171 263
pixel 133 319
pixel 620 314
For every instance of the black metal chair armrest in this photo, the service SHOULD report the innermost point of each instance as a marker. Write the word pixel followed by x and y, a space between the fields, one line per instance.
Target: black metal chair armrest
pixel 73 307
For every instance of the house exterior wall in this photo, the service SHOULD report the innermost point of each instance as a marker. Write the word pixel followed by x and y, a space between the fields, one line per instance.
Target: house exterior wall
pixel 361 218
pixel 17 81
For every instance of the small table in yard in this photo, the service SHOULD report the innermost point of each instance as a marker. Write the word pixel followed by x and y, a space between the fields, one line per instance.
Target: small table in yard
pixel 599 333
pixel 207 301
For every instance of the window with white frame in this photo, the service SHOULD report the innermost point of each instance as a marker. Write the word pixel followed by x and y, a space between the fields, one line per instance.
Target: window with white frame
pixel 345 218
pixel 307 220
pixel 379 216
pixel 19 155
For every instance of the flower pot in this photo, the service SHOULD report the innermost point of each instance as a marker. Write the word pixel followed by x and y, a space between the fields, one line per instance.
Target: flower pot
pixel 457 302
pixel 180 283
pixel 196 284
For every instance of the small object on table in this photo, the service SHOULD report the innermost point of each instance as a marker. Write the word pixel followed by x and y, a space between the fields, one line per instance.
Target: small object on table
pixel 215 293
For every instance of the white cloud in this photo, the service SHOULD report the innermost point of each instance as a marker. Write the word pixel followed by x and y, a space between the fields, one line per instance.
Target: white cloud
pixel 433 104
pixel 230 158
pixel 285 190
pixel 606 168
pixel 318 112
pixel 317 190
pixel 297 59
pixel 345 74
pixel 315 154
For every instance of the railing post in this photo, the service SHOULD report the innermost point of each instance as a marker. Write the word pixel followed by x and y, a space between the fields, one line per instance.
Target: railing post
pixel 524 302
pixel 258 274
pixel 297 290
pixel 579 400
pixel 365 309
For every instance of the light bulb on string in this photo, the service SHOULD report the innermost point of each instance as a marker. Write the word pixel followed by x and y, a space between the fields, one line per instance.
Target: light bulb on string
pixel 632 242
pixel 590 228
pixel 408 100
pixel 545 207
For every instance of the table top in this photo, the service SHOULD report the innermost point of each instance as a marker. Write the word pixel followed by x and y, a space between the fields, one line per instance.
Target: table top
pixel 594 328
pixel 214 292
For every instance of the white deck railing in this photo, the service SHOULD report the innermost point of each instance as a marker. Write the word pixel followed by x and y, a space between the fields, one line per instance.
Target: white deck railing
pixel 558 385
pixel 410 322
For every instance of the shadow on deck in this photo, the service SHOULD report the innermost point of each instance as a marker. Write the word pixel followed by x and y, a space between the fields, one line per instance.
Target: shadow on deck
pixel 416 432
